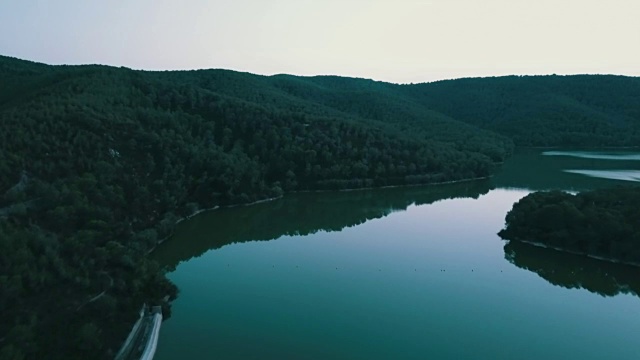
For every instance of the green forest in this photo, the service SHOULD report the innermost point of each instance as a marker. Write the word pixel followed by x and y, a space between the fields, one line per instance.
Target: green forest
pixel 601 223
pixel 97 164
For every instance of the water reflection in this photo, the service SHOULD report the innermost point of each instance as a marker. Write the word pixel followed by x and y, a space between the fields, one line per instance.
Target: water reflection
pixel 527 169
pixel 301 214
pixel 574 271
pixel 615 155
pixel 626 175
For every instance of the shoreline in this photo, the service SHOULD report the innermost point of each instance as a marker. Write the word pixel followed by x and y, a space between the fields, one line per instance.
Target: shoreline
pixel 218 207
pixel 393 186
pixel 200 211
pixel 596 257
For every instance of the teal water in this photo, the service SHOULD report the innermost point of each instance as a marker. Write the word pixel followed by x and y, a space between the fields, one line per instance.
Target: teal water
pixel 402 273
pixel 600 155
pixel 626 175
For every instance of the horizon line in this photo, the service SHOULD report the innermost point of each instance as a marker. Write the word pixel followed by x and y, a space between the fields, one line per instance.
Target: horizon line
pixel 318 74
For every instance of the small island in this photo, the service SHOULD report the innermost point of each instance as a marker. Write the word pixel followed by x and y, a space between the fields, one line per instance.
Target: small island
pixel 601 224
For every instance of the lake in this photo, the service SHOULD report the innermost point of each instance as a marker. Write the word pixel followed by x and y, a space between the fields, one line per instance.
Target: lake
pixel 401 273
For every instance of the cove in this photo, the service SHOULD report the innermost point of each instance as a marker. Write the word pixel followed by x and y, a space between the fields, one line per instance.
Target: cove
pixel 401 273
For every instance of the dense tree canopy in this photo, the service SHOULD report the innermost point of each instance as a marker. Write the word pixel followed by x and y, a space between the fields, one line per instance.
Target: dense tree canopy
pixel 583 110
pixel 602 223
pixel 98 163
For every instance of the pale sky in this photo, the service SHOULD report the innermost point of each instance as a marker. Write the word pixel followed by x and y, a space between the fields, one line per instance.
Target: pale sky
pixel 397 41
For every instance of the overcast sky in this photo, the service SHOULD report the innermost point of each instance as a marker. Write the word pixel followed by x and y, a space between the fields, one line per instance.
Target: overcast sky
pixel 398 41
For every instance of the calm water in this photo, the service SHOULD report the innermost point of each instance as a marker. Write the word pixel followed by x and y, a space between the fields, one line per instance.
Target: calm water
pixel 404 273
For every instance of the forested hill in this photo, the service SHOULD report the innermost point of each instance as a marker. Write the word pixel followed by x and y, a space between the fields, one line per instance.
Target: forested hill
pixel 600 223
pixel 97 163
pixel 582 110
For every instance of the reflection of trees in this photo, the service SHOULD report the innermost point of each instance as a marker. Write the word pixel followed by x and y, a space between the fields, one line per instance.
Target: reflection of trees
pixel 301 214
pixel 574 271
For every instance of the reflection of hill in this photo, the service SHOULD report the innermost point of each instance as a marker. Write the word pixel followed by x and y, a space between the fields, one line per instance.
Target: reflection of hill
pixel 300 214
pixel 574 271
pixel 527 169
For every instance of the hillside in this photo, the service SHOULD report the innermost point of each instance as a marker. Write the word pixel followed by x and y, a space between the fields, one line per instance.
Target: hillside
pixel 97 164
pixel 584 110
